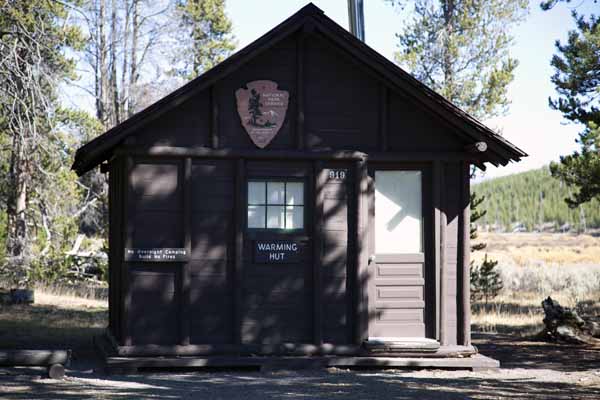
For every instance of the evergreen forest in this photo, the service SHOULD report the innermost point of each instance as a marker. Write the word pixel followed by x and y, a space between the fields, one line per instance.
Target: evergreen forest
pixel 533 201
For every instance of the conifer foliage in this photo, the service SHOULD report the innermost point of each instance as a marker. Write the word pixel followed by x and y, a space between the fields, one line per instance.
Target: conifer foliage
pixel 209 35
pixel 577 82
pixel 461 50
pixel 533 201
pixel 485 281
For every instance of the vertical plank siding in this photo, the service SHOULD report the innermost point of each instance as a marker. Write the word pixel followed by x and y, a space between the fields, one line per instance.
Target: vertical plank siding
pixel 452 184
pixel 214 117
pixel 444 273
pixel 221 296
pixel 213 188
pixel 436 250
pixel 240 212
pixel 185 317
pixel 300 84
pixel 464 253
pixel 152 306
pixel 342 102
pixel 360 253
pixel 318 176
pixel 383 117
pixel 333 251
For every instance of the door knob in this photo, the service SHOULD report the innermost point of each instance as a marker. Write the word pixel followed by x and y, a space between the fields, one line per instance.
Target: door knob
pixel 371 258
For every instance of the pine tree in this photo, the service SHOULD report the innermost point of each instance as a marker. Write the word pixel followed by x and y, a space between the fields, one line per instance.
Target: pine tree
pixel 577 79
pixel 35 37
pixel 461 50
pixel 476 214
pixel 486 283
pixel 210 39
pixel 254 106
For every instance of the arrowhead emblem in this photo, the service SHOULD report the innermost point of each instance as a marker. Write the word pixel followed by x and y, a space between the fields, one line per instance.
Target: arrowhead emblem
pixel 262 109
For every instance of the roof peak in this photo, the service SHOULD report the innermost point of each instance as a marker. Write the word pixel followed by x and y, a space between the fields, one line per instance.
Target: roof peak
pixel 310 8
pixel 101 147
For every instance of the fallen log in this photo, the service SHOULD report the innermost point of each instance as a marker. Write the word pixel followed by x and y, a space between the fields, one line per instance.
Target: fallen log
pixel 53 360
pixel 563 324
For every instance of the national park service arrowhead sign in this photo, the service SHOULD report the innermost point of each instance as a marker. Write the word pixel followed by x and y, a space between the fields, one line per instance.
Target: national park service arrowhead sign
pixel 262 109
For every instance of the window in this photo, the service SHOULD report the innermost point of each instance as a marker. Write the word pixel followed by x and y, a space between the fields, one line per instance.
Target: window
pixel 398 214
pixel 275 205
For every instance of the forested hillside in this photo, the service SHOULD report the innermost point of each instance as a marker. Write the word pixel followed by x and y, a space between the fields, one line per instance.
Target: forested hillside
pixel 533 200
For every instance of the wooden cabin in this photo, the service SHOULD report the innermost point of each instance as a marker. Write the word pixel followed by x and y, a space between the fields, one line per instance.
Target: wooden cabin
pixel 305 197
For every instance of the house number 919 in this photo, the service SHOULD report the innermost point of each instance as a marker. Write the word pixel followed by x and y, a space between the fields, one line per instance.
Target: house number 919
pixel 337 174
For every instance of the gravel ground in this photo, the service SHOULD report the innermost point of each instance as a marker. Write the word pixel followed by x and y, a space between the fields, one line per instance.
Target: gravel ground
pixel 531 370
pixel 331 384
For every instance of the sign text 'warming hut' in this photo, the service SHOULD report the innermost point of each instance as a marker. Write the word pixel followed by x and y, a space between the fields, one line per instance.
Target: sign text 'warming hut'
pixel 277 251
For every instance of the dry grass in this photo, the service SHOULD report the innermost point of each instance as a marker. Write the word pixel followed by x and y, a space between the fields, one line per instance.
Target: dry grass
pixel 534 266
pixel 525 249
pixel 67 299
pixel 53 321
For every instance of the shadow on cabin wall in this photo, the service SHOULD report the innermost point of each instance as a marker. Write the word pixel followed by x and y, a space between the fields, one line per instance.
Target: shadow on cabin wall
pixel 276 299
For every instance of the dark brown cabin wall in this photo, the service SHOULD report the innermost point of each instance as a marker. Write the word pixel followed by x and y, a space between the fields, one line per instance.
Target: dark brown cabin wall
pixel 116 242
pixel 277 64
pixel 187 125
pixel 213 191
pixel 341 100
pixel 453 184
pixel 464 254
pixel 334 256
pixel 113 247
pixel 413 129
pixel 155 206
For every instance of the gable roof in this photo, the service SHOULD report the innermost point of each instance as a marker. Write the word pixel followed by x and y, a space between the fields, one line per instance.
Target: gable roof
pixel 500 151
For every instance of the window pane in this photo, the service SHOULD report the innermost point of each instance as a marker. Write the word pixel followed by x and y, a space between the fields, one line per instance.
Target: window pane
pixel 294 217
pixel 398 214
pixel 256 193
pixel 275 215
pixel 275 192
pixel 256 216
pixel 294 193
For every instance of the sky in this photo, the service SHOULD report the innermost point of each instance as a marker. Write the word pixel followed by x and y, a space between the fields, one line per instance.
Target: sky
pixel 530 123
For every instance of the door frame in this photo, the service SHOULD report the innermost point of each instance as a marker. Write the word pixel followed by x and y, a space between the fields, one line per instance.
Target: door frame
pixel 428 210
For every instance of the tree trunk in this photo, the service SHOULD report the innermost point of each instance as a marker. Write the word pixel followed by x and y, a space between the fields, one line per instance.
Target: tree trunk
pixel 448 61
pixel 563 324
pixel 102 96
pixel 123 103
pixel 133 72
pixel 114 90
pixel 16 211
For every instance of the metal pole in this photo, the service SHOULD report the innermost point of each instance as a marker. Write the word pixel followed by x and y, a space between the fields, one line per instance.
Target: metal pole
pixel 356 18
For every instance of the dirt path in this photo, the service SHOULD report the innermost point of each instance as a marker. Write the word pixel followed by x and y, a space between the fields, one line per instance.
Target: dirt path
pixel 334 384
pixel 531 370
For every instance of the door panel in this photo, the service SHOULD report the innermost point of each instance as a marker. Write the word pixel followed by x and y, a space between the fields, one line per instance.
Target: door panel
pixel 397 293
pixel 276 295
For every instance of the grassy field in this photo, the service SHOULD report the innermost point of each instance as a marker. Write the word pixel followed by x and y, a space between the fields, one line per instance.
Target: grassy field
pixel 534 266
pixel 57 319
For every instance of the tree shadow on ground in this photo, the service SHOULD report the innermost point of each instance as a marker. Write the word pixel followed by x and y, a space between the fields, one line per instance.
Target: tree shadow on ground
pixel 518 352
pixel 389 384
pixel 50 327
